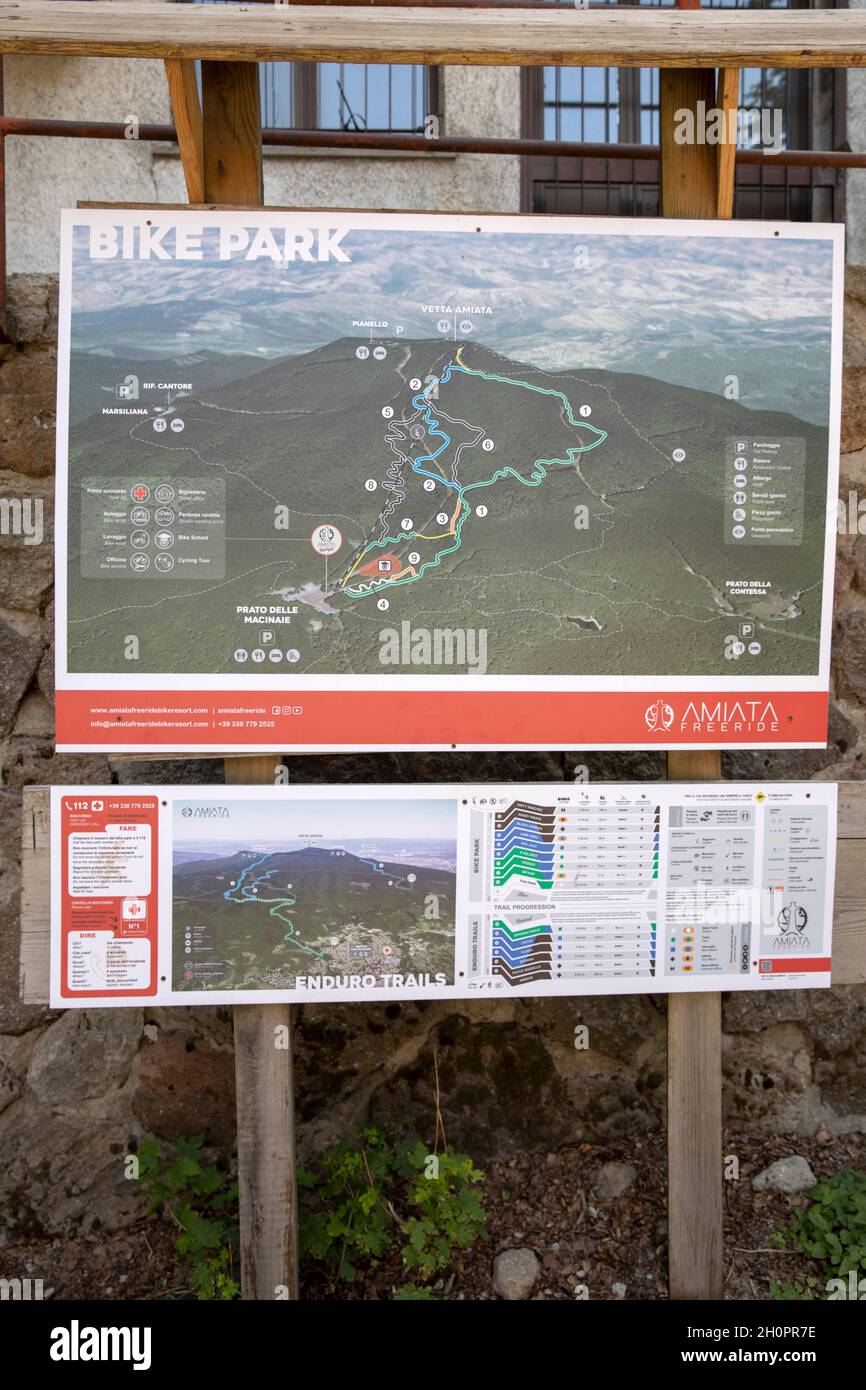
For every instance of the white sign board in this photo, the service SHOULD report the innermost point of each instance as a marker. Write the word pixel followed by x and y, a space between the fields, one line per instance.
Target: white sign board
pixel 209 895
pixel 399 480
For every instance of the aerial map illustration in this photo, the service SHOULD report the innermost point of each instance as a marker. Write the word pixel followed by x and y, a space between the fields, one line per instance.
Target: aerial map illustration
pixel 322 890
pixel 330 448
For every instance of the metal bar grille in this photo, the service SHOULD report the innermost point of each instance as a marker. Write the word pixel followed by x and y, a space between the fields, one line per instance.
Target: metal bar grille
pixel 622 106
pixel 344 96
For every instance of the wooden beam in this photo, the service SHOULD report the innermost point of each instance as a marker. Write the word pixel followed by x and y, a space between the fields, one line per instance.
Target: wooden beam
pixel 695 1146
pixel 727 98
pixel 34 953
pixel 852 811
pixel 232 164
pixel 266 1123
pixel 186 106
pixel 232 133
pixel 690 186
pixel 703 765
pixel 267 1187
pixel 561 38
pixel 688 173
pixel 849 917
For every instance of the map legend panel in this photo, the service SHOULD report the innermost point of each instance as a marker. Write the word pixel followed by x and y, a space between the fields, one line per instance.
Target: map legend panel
pixel 710 898
pixel 514 950
pixel 765 491
pixel 609 847
pixel 521 954
pixel 152 529
pixel 793 873
pixel 714 845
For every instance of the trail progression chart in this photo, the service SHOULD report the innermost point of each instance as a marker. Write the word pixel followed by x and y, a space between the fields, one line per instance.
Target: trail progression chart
pixel 363 576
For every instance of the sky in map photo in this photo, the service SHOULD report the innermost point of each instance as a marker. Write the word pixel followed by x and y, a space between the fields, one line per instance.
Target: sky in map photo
pixel 283 823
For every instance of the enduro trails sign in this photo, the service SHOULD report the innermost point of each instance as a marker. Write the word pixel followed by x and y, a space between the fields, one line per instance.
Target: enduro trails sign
pixel 356 480
pixel 215 895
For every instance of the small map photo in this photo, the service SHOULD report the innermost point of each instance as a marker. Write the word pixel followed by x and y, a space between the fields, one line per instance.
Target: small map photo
pixel 311 893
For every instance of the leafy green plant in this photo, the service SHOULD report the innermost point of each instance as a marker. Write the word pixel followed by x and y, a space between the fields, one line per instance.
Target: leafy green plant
pixel 367 1199
pixel 202 1201
pixel 444 1188
pixel 831 1230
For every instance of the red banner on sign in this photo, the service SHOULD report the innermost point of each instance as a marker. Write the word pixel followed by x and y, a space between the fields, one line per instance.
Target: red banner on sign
pixel 813 965
pixel 359 719
pixel 109 897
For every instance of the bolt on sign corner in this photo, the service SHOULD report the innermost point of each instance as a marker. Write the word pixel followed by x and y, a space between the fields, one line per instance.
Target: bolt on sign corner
pixel 357 480
pixel 217 895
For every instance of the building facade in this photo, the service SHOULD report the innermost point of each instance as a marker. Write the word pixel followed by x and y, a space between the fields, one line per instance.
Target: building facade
pixel 800 110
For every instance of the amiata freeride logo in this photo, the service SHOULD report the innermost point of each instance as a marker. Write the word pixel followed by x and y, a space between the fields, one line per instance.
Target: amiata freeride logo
pixel 739 716
pixel 659 717
pixel 792 921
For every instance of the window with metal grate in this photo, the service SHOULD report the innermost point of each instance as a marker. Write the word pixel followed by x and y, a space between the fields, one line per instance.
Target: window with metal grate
pixel 346 96
pixel 621 106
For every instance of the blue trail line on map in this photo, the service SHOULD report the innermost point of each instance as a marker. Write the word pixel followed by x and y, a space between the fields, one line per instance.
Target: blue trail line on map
pixel 273 904
pixel 537 475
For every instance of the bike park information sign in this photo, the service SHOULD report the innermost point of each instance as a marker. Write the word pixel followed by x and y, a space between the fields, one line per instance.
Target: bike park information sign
pixel 235 894
pixel 351 480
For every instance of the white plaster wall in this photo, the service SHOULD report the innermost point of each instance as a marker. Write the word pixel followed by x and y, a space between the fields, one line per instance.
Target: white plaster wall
pixel 855 179
pixel 45 175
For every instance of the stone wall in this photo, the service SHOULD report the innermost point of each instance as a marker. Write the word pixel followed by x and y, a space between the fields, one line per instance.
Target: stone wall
pixel 90 1084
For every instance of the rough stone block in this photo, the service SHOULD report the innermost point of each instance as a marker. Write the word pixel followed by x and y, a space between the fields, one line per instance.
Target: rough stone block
pixel 27 404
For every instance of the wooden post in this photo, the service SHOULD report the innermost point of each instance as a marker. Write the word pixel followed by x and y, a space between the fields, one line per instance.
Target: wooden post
pixel 266 1123
pixel 727 98
pixel 185 104
pixel 687 173
pixel 232 175
pixel 696 180
pixel 232 132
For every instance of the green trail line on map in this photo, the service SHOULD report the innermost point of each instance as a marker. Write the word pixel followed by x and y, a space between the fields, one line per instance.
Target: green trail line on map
pixel 537 475
pixel 248 894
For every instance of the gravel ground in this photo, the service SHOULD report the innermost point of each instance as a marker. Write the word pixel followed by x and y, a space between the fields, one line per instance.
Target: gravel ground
pixel 614 1248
